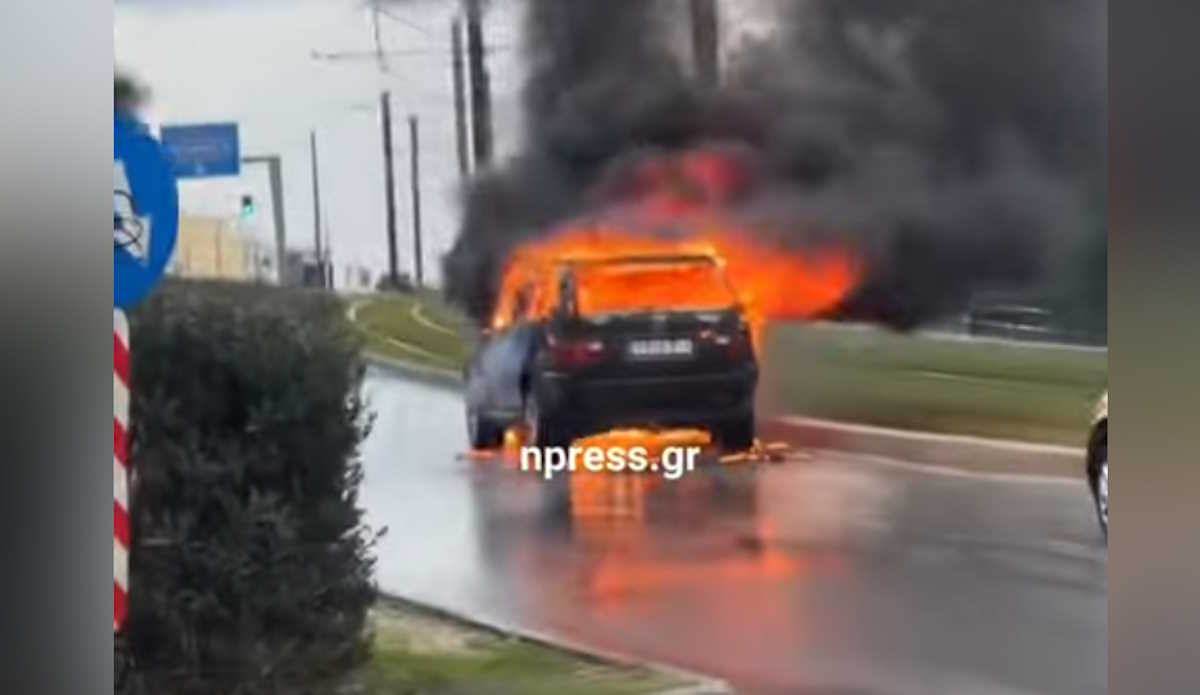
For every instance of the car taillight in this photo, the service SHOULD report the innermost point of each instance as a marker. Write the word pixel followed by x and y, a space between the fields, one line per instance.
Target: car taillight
pixel 739 346
pixel 576 353
pixel 736 344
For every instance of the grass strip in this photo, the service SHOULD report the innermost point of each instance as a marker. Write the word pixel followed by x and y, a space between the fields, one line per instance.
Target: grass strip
pixel 934 383
pixel 858 374
pixel 418 652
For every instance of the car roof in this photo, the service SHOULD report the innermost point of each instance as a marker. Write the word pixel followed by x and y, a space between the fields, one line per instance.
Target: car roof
pixel 648 259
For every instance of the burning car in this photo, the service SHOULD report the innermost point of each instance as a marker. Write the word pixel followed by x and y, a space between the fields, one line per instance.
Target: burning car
pixel 589 344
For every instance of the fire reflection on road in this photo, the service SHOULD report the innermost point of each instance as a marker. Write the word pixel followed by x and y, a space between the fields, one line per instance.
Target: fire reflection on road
pixel 610 538
pixel 822 568
pixel 609 520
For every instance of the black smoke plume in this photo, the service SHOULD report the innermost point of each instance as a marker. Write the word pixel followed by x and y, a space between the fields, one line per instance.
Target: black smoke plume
pixel 955 145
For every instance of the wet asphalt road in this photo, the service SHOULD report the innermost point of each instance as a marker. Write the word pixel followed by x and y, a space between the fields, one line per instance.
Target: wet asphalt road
pixel 826 573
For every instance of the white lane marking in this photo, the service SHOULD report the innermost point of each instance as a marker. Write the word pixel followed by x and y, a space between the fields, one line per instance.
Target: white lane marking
pixel 414 349
pixel 352 314
pixel 947 471
pixel 1016 344
pixel 950 376
pixel 1078 551
pixel 419 317
pixel 1008 444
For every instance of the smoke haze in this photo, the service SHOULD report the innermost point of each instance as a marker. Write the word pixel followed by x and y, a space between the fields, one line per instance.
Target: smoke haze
pixel 954 145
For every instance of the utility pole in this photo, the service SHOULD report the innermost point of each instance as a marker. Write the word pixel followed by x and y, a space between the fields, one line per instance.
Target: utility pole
pixel 329 276
pixel 316 186
pixel 385 105
pixel 383 67
pixel 481 96
pixel 217 247
pixel 704 41
pixel 414 148
pixel 275 173
pixel 460 115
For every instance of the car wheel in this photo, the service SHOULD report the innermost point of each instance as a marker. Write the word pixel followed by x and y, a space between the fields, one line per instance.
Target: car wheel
pixel 737 435
pixel 1100 488
pixel 1098 477
pixel 483 433
pixel 540 428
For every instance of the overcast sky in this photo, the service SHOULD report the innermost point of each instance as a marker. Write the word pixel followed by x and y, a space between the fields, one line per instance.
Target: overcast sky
pixel 251 61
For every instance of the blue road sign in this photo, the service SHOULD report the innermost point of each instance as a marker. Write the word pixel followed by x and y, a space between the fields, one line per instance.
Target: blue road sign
pixel 198 151
pixel 145 212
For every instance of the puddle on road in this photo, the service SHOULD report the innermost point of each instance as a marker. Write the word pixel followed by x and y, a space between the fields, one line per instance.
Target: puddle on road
pixel 618 535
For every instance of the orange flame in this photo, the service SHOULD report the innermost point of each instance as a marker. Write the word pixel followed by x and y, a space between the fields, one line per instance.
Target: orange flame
pixel 691 194
pixel 770 283
pixel 654 441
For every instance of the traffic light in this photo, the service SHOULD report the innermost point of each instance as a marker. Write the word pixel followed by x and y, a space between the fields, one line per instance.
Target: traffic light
pixel 247 207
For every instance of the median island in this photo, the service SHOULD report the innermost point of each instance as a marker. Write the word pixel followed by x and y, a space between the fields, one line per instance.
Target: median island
pixel 915 381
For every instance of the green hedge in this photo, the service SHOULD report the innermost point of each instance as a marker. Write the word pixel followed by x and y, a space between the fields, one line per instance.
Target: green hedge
pixel 251 570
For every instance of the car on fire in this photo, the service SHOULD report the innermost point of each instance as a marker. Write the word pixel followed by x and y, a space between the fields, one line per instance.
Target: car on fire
pixel 633 341
pixel 1097 462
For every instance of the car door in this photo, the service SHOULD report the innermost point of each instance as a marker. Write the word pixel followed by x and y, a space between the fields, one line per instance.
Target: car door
pixel 475 376
pixel 494 380
pixel 505 364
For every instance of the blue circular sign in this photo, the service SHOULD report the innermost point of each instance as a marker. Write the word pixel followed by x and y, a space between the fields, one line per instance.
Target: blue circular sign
pixel 145 212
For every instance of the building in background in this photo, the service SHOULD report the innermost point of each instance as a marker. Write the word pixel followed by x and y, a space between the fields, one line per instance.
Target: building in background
pixel 301 269
pixel 356 277
pixel 214 248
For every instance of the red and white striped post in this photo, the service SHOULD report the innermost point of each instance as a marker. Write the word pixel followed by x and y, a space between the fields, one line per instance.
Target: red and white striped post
pixel 120 467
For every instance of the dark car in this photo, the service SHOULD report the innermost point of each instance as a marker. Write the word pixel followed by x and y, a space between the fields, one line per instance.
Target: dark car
pixel 1097 462
pixel 1013 321
pixel 624 342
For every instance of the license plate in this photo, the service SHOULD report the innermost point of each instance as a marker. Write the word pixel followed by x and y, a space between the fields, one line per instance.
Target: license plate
pixel 659 348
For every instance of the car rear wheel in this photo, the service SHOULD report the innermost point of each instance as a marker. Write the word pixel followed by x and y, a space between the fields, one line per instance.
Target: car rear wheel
pixel 1098 475
pixel 1100 487
pixel 541 429
pixel 483 433
pixel 737 435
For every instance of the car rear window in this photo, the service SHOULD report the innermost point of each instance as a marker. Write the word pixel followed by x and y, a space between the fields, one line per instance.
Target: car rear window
pixel 667 286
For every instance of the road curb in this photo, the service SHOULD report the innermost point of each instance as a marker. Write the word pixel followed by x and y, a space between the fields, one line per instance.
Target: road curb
pixel 703 684
pixel 970 453
pixel 975 454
